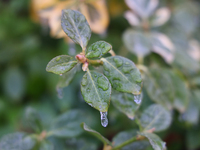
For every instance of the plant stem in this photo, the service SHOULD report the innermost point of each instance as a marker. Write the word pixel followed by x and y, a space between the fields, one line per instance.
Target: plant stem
pixel 112 53
pixel 95 62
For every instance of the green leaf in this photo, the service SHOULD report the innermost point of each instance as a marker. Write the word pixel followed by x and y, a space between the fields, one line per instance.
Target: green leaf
pixel 160 87
pixel 96 90
pixel 163 46
pixel 98 49
pixel 61 64
pixel 95 133
pixel 126 103
pixel 67 77
pixel 126 135
pixel 68 124
pixel 76 27
pixel 137 42
pixel 45 145
pixel 181 97
pixel 154 140
pixel 193 138
pixel 155 117
pixel 122 74
pixel 16 141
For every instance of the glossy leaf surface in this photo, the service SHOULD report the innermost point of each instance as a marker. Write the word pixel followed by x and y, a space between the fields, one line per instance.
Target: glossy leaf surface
pixel 76 27
pixel 61 64
pixel 122 74
pixel 98 49
pixel 96 90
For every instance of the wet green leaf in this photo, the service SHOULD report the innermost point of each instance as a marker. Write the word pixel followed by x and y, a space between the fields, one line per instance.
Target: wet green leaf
pixel 126 103
pixel 98 49
pixel 61 64
pixel 155 117
pixel 122 74
pixel 154 140
pixel 126 135
pixel 67 77
pixel 76 27
pixel 16 141
pixel 137 42
pixel 67 124
pixel 95 133
pixel 96 90
pixel 160 87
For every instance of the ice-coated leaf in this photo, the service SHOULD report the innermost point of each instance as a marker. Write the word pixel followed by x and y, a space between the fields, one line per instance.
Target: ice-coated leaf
pixel 95 133
pixel 155 117
pixel 161 16
pixel 137 42
pixel 122 74
pixel 154 140
pixel 16 141
pixel 68 124
pixel 61 64
pixel 126 135
pixel 181 93
pixel 45 145
pixel 67 77
pixel 160 87
pixel 163 46
pixel 98 49
pixel 194 49
pixel 125 102
pixel 76 27
pixel 96 90
pixel 132 18
pixel 144 8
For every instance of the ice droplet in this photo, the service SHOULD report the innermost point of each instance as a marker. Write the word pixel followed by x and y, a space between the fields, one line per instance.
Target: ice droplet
pixel 104 119
pixel 59 92
pixel 138 98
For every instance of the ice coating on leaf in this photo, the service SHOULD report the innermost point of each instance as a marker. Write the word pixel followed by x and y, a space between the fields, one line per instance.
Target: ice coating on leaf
pixel 61 64
pixel 138 98
pixel 125 103
pixel 59 92
pixel 96 90
pixel 122 74
pixel 104 119
pixel 76 27
pixel 98 49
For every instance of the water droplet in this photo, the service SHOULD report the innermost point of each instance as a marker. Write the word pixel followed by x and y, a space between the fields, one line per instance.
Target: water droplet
pixel 61 74
pixel 118 62
pixel 103 83
pixel 138 98
pixel 104 119
pixel 84 81
pixel 88 90
pixel 59 92
pixel 58 58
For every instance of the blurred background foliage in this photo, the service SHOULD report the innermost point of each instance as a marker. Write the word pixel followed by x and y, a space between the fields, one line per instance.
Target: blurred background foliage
pixel 31 35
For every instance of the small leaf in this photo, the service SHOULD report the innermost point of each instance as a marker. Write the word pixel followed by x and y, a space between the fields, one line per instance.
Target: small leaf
pixel 68 124
pixel 144 8
pixel 98 49
pixel 61 64
pixel 67 77
pixel 132 18
pixel 160 87
pixel 154 140
pixel 17 141
pixel 155 117
pixel 125 103
pixel 161 16
pixel 76 27
pixel 163 46
pixel 95 133
pixel 137 42
pixel 96 90
pixel 126 135
pixel 122 74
